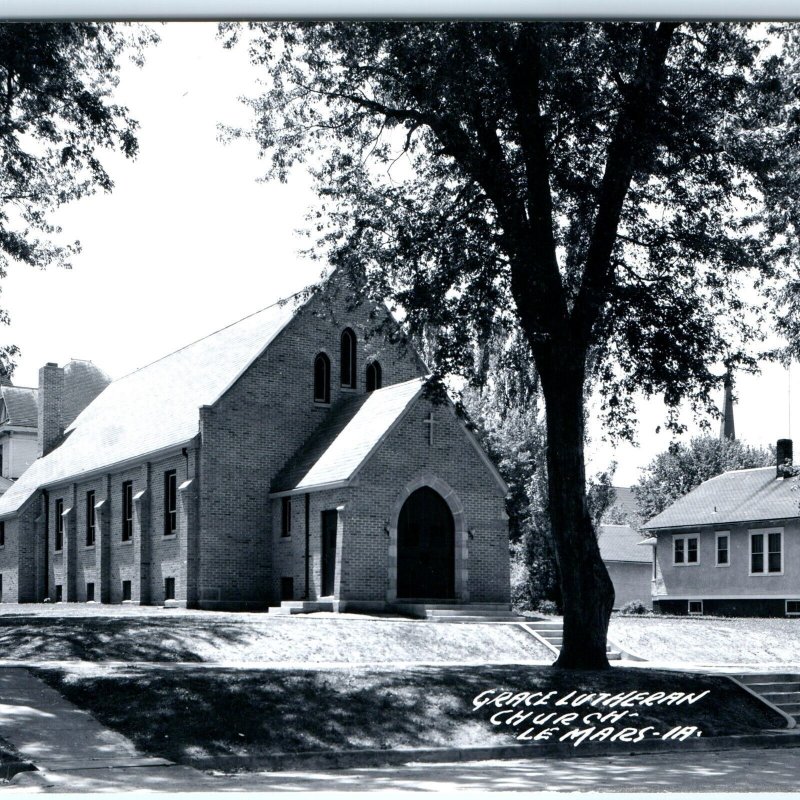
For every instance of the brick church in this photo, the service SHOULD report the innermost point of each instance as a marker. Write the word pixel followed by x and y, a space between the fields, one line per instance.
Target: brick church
pixel 294 455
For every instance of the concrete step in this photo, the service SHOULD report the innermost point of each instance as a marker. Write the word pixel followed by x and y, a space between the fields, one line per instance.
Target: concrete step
pixel 792 709
pixel 779 698
pixel 289 607
pixel 472 618
pixel 771 678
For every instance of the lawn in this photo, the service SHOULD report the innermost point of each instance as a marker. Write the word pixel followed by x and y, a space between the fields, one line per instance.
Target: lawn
pixel 209 637
pixel 704 640
pixel 190 712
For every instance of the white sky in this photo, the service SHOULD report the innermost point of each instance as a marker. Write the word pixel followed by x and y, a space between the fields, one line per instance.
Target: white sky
pixel 188 242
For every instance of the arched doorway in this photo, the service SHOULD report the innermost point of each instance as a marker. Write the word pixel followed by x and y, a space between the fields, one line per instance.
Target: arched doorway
pixel 425 547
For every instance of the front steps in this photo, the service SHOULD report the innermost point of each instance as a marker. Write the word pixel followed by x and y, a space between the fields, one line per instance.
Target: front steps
pixel 553 633
pixel 456 612
pixel 780 689
pixel 433 612
pixel 290 607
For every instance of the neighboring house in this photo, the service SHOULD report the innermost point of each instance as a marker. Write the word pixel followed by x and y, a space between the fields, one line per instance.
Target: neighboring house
pixel 629 564
pixel 18 412
pixel 295 454
pixel 732 545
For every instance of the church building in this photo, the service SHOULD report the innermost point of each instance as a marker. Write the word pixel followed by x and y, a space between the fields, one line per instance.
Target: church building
pixel 299 454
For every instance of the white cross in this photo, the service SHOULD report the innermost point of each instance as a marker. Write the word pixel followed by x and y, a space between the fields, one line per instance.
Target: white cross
pixel 429 422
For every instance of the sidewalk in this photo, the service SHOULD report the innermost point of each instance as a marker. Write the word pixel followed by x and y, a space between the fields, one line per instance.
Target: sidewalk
pixel 64 741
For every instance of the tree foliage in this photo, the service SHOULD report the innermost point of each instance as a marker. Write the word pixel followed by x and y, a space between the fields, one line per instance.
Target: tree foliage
pixel 610 190
pixel 56 113
pixel 682 467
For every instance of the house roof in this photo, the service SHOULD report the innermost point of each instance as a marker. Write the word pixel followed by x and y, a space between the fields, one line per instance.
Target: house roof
pixel 350 434
pixel 621 543
pixel 746 495
pixel 128 420
pixel 5 484
pixel 21 405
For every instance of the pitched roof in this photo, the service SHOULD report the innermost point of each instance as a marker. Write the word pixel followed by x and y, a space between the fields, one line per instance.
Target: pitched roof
pixel 21 406
pixel 127 419
pixel 621 543
pixel 745 495
pixel 350 434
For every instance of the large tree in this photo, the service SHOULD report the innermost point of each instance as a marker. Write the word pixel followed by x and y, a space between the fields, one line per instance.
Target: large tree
pixel 600 187
pixel 56 114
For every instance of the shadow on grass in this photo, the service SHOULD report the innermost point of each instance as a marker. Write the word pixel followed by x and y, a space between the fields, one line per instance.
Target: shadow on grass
pixel 108 639
pixel 187 713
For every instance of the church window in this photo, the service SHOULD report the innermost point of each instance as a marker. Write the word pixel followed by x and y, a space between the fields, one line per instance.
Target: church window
pixel 374 377
pixel 2 534
pixel 126 590
pixel 59 525
pixel 170 502
pixel 286 516
pixel 169 588
pixel 59 593
pixel 89 592
pixel 322 379
pixel 348 359
pixel 90 519
pixel 127 511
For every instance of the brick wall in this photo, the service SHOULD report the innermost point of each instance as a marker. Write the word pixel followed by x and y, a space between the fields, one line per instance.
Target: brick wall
pixel 255 428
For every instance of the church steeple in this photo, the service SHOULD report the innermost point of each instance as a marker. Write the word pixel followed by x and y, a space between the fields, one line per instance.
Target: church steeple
pixel 727 429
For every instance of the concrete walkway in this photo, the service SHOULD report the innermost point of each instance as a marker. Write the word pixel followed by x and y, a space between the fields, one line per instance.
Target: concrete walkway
pixel 60 738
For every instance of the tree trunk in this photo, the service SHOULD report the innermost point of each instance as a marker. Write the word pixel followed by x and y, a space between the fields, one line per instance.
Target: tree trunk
pixel 587 591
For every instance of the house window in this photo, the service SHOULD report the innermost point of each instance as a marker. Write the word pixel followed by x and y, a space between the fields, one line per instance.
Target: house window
pixel 59 593
pixel 126 590
pixel 2 534
pixel 373 376
pixel 685 550
pixel 170 502
pixel 59 538
pixel 322 379
pixel 127 511
pixel 169 588
pixel 286 516
pixel 793 608
pixel 695 606
pixel 766 552
pixel 723 549
pixel 89 592
pixel 90 519
pixel 348 359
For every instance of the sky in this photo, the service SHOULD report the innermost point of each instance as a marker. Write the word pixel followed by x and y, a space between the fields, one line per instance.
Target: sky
pixel 189 241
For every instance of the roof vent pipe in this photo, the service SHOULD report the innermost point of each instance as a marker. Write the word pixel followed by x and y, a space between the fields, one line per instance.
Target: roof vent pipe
pixel 784 460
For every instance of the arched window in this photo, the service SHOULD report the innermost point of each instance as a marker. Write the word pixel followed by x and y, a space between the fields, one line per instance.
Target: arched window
pixel 373 376
pixel 348 360
pixel 322 379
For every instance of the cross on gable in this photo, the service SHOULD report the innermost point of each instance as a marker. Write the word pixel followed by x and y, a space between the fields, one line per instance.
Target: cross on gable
pixel 429 422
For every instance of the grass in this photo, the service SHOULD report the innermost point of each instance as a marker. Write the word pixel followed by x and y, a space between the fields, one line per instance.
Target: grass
pixel 258 638
pixel 704 640
pixel 181 713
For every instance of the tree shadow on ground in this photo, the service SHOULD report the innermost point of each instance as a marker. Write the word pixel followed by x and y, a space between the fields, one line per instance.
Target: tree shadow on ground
pixel 110 639
pixel 185 713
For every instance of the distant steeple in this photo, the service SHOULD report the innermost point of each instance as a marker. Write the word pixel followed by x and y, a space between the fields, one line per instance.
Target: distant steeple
pixel 726 428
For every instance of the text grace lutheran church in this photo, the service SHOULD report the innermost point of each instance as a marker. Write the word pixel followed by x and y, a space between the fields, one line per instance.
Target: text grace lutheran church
pixel 292 456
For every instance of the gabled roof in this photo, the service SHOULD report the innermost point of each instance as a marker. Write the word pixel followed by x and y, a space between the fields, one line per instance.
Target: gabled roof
pixel 128 420
pixel 746 495
pixel 353 430
pixel 21 406
pixel 621 543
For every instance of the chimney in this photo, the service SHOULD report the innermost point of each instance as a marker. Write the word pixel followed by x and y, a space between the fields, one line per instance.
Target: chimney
pixel 51 390
pixel 784 453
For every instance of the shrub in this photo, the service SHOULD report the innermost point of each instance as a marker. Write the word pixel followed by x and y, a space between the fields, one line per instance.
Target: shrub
pixel 634 607
pixel 547 607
